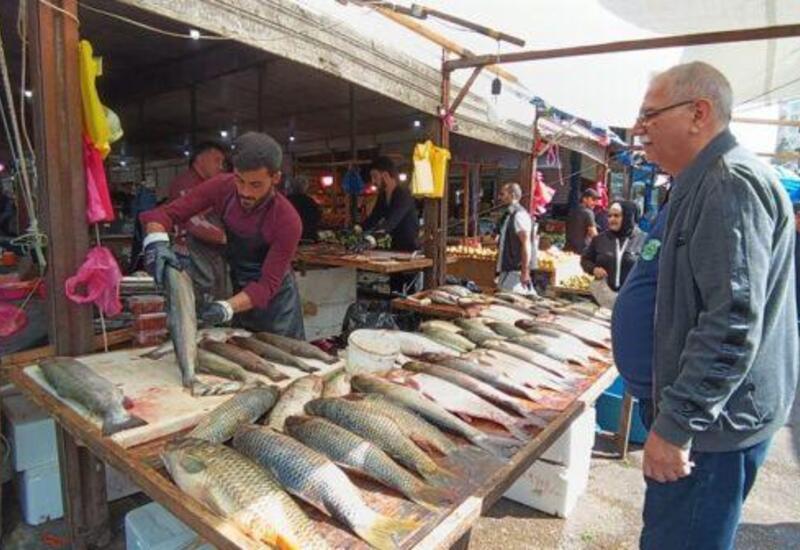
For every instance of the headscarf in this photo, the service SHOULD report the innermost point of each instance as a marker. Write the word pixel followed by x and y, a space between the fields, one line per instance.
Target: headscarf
pixel 630 216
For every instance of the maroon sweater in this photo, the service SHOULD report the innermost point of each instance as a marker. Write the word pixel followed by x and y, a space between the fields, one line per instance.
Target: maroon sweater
pixel 281 227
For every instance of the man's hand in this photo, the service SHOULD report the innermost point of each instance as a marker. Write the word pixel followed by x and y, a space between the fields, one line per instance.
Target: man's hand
pixel 600 273
pixel 664 461
pixel 158 254
pixel 525 278
pixel 216 313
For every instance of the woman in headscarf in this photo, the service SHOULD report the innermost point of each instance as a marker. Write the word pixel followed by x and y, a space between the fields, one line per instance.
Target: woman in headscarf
pixel 612 253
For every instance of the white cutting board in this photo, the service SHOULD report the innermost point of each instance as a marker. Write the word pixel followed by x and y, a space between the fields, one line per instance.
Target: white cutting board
pixel 154 387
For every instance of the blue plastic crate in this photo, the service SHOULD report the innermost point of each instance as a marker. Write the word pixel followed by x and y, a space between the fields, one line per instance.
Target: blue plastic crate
pixel 609 406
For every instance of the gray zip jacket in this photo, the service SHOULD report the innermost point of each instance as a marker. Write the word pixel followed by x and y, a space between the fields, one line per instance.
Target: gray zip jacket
pixel 725 360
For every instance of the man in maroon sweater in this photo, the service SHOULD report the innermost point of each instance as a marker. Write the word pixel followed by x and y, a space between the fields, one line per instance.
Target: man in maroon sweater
pixel 262 232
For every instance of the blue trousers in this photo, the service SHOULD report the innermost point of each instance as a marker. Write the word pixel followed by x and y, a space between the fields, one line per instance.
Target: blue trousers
pixel 701 510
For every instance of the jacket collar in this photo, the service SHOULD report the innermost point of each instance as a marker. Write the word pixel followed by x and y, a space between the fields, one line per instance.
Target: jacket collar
pixel 721 144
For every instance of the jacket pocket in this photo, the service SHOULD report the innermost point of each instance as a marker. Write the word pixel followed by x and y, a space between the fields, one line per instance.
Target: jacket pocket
pixel 751 405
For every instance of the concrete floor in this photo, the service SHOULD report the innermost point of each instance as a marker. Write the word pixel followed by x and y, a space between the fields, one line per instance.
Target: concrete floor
pixel 606 517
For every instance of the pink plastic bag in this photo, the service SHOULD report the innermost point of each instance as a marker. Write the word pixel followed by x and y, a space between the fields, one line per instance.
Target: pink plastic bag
pixel 97 281
pixel 98 199
pixel 12 319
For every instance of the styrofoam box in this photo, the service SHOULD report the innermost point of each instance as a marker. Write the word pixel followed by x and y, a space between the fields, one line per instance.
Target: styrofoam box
pixel 152 527
pixel 576 443
pixel 327 293
pixel 118 485
pixel 39 492
pixel 551 488
pixel 30 432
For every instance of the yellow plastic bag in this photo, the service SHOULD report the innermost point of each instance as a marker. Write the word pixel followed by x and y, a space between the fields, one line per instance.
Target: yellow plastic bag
pixel 440 157
pixel 95 123
pixel 422 178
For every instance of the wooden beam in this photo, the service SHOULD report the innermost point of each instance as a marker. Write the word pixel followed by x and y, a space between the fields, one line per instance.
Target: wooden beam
pixel 767 121
pixel 462 93
pixel 442 41
pixel 58 126
pixel 782 155
pixel 491 33
pixel 698 39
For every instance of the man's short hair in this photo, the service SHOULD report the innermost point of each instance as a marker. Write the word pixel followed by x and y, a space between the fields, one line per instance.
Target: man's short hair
pixel 696 80
pixel 515 190
pixel 204 146
pixel 384 164
pixel 796 207
pixel 255 150
pixel 590 193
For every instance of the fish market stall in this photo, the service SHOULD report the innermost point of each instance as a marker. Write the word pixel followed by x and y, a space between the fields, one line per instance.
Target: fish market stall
pixel 466 409
pixel 378 261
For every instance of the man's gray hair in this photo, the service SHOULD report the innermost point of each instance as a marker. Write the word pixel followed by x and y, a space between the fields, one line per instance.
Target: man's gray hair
pixel 255 150
pixel 698 80
pixel 515 190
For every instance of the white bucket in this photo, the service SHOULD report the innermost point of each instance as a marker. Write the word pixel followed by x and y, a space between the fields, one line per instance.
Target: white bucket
pixel 368 352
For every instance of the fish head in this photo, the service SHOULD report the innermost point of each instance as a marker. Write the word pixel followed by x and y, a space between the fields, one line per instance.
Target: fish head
pixel 186 461
pixel 295 421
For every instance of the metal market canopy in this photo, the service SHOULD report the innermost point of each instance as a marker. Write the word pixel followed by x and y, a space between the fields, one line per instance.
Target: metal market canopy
pixel 606 89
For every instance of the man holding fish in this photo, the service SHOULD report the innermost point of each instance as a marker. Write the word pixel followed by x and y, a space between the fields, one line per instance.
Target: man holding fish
pixel 262 230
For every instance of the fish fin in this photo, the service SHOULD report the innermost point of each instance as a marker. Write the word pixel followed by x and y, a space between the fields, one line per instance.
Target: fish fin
pixel 110 427
pixel 500 446
pixel 431 497
pixel 518 431
pixel 440 477
pixel 534 420
pixel 192 465
pixel 380 532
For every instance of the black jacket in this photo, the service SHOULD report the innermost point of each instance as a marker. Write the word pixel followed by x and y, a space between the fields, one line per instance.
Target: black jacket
pixel 602 252
pixel 398 217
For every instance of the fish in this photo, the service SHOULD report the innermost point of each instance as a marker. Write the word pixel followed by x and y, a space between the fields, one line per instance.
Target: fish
pixel 296 347
pixel 293 400
pixel 449 339
pixel 504 313
pixel 411 343
pixel 337 385
pixel 242 492
pixel 591 334
pixel 478 337
pixel 212 334
pixel 478 387
pixel 74 380
pixel 415 427
pixel 435 413
pixel 219 425
pixel 473 323
pixel 272 353
pixel 439 325
pixel 455 290
pixel 381 430
pixel 358 454
pixel 506 330
pixel 464 403
pixel 245 358
pixel 443 298
pixel 512 298
pixel 312 477
pixel 520 308
pixel 537 359
pixel 494 377
pixel 211 363
pixel 551 349
pixel 182 321
pixel 519 370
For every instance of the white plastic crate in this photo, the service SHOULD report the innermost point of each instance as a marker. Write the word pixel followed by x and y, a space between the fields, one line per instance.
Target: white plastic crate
pixel 39 492
pixel 576 443
pixel 31 433
pixel 551 488
pixel 152 527
pixel 118 485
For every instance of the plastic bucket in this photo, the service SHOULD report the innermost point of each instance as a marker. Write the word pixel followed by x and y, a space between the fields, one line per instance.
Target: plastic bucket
pixel 367 352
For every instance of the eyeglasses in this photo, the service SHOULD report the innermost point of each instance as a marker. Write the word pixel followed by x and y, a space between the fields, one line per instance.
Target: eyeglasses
pixel 647 116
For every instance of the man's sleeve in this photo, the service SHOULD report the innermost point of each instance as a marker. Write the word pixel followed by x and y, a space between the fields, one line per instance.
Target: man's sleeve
pixel 399 210
pixel 589 219
pixel 730 253
pixel 201 198
pixel 286 236
pixel 377 212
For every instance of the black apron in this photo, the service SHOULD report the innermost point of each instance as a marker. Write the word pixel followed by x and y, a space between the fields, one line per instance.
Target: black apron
pixel 284 313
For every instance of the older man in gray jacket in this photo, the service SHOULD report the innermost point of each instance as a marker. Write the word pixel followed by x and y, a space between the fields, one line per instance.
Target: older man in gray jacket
pixel 725 361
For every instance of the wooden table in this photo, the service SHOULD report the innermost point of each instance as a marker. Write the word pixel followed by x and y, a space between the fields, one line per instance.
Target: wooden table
pixel 442 530
pixel 440 311
pixel 376 261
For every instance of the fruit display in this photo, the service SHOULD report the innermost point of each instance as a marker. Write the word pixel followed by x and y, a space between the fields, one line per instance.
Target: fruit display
pixel 577 282
pixel 357 241
pixel 475 252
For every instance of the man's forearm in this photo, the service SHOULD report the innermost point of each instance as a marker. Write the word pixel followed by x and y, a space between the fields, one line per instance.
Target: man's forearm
pixel 154 227
pixel 240 302
pixel 525 269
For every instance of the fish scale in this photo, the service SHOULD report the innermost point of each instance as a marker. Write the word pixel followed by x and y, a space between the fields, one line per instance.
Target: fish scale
pixel 312 477
pixel 221 423
pixel 352 451
pixel 293 399
pixel 241 491
pixel 379 429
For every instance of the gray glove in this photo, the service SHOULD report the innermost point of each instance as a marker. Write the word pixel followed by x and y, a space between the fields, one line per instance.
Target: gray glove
pixel 158 254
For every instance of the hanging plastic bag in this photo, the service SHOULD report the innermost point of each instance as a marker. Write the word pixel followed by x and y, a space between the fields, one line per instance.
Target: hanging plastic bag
pixel 98 199
pixel 95 122
pixel 422 180
pixel 440 158
pixel 542 195
pixel 12 320
pixel 97 281
pixel 352 183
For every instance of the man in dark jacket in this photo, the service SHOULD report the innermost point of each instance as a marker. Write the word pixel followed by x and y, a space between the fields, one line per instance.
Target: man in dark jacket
pixel 725 358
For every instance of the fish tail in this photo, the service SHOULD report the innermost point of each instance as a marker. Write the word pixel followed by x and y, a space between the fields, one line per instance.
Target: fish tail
pixel 518 431
pixel 113 425
pixel 534 420
pixel 305 367
pixel 380 532
pixel 439 476
pixel 500 446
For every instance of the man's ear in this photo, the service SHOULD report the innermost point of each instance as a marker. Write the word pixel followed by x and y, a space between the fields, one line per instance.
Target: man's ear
pixel 703 113
pixel 276 177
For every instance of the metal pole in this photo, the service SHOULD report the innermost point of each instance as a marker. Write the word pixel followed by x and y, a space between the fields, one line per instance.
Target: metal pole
pixel 353 151
pixel 193 115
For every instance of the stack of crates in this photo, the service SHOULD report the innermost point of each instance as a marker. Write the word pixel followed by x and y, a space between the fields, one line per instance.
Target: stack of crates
pixel 152 527
pixel 556 481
